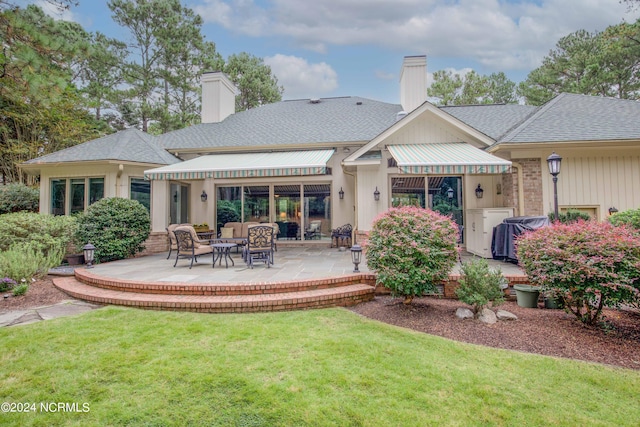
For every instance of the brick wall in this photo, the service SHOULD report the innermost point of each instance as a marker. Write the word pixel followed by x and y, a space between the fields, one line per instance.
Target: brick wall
pixel 532 186
pixel 157 242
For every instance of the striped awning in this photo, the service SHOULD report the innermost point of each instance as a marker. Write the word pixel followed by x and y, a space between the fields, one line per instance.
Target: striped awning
pixel 245 165
pixel 446 158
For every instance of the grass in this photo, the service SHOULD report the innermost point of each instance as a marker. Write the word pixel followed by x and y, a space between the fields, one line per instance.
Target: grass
pixel 320 367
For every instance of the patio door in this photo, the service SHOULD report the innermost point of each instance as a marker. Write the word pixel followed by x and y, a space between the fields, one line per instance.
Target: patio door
pixel 179 203
pixel 445 196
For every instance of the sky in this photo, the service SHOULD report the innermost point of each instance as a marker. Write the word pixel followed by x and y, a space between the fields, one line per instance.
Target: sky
pixel 328 48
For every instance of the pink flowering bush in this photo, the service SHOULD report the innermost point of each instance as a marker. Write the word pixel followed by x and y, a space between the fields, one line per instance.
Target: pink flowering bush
pixel 412 250
pixel 588 264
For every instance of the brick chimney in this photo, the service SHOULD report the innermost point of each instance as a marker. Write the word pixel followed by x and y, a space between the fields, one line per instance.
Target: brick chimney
pixel 218 97
pixel 413 82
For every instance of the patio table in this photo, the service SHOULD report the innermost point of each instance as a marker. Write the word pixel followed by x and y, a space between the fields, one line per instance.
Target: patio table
pixel 222 250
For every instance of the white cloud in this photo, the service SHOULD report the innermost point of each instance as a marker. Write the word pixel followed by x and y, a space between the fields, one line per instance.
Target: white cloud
pixel 301 79
pixel 500 35
pixel 57 12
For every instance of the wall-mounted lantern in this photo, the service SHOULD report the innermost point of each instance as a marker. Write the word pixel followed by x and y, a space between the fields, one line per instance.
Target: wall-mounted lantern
pixel 203 196
pixel 376 194
pixel 341 193
pixel 479 192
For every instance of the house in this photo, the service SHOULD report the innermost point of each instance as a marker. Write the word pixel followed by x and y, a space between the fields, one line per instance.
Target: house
pixel 335 161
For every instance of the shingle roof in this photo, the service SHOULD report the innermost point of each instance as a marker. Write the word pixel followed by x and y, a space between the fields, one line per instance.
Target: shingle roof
pixel 128 145
pixel 492 120
pixel 290 123
pixel 572 117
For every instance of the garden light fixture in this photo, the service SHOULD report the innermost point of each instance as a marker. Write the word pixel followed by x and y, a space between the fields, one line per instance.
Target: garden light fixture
pixel 554 169
pixel 88 251
pixel 356 257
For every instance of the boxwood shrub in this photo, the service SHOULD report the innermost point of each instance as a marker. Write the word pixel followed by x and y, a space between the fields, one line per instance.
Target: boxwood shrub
pixel 116 227
pixel 630 217
pixel 18 197
pixel 412 250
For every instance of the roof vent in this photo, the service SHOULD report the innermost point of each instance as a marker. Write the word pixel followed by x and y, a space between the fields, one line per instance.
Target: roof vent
pixel 315 100
pixel 400 115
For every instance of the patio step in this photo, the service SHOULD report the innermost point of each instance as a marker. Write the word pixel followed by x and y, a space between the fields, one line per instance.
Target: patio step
pixel 221 289
pixel 314 298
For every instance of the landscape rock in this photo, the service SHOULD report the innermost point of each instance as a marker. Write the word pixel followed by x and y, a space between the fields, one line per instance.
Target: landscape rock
pixel 505 315
pixel 487 316
pixel 464 313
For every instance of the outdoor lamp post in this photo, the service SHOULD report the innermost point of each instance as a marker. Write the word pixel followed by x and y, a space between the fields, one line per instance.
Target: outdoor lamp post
pixel 612 210
pixel 88 251
pixel 554 169
pixel 356 257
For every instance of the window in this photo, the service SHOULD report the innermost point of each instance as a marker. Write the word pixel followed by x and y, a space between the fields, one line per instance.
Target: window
pixel 141 191
pixel 81 190
pixel 58 196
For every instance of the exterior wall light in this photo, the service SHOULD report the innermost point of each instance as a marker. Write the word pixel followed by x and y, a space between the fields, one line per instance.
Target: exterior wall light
pixel 376 194
pixel 203 196
pixel 479 192
pixel 341 193
pixel 612 210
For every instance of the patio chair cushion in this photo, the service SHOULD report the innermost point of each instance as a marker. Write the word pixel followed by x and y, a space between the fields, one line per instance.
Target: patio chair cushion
pixel 237 228
pixel 197 243
pixel 226 233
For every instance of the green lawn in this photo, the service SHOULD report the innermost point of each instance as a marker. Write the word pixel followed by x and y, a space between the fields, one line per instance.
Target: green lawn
pixel 319 367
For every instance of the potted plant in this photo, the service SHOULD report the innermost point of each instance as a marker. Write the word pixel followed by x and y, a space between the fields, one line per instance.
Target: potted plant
pixel 552 300
pixel 527 295
pixel 201 228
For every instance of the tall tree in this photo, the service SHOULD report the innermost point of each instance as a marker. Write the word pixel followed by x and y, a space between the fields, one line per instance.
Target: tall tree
pixel 471 88
pixel 101 72
pixel 254 80
pixel 170 55
pixel 40 109
pixel 601 64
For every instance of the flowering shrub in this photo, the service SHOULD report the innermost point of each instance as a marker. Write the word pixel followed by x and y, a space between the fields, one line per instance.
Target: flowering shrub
pixel 480 284
pixel 631 217
pixel 589 264
pixel 411 249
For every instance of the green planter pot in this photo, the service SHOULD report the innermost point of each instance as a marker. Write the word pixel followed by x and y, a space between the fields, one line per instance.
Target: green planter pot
pixel 527 295
pixel 552 303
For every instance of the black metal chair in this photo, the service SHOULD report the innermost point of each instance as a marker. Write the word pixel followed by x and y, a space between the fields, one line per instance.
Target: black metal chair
pixel 260 245
pixel 342 235
pixel 189 246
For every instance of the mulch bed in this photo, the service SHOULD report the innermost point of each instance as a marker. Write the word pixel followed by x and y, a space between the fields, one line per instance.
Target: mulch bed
pixel 616 341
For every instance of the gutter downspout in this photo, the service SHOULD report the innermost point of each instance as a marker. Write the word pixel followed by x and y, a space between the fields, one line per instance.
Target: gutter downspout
pixel 520 187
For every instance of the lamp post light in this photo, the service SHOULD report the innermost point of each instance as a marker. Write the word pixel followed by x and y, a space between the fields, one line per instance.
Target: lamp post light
pixel 554 169
pixel 88 251
pixel 356 257
pixel 612 210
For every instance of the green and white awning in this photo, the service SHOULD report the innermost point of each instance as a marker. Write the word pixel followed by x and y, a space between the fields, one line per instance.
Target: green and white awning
pixel 246 165
pixel 446 158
